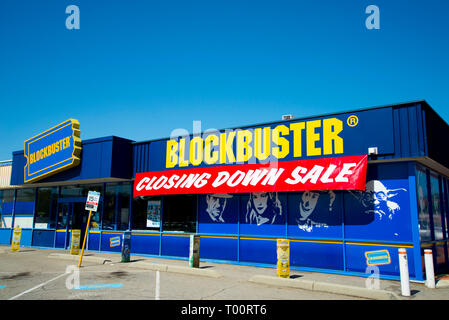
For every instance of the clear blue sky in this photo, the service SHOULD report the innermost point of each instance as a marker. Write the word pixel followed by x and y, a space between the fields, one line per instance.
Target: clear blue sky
pixel 139 69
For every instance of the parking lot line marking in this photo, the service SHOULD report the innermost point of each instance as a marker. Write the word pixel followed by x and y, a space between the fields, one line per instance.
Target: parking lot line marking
pixel 99 286
pixel 36 287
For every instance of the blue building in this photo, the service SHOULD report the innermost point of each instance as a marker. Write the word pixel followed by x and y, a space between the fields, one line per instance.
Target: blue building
pixel 333 229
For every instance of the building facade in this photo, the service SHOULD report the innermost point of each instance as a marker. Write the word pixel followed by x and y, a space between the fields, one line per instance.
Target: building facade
pixel 333 224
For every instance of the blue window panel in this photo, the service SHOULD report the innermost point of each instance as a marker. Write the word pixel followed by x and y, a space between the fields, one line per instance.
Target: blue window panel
pixel 382 211
pixel 25 208
pixel 177 246
pixel 218 213
pixel 263 214
pixel 315 214
pixel 316 255
pixel 25 237
pixel 258 251
pixel 94 241
pixel 357 262
pixel 7 208
pixel 219 248
pixel 145 243
pixel 5 236
pixel 43 238
pixel 60 239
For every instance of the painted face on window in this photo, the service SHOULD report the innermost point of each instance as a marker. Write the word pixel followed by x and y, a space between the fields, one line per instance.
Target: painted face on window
pixel 377 197
pixel 308 203
pixel 215 205
pixel 260 200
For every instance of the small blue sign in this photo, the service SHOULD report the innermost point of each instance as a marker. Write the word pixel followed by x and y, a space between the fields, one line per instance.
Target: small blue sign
pixel 374 258
pixel 52 151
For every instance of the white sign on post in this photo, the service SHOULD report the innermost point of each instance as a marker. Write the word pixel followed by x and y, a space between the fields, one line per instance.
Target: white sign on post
pixel 92 201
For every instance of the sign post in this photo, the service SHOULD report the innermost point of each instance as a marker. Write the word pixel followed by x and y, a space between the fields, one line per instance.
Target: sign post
pixel 93 198
pixel 15 246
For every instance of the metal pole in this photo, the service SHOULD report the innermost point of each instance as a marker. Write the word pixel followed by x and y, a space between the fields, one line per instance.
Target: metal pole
pixel 403 268
pixel 430 273
pixel 85 237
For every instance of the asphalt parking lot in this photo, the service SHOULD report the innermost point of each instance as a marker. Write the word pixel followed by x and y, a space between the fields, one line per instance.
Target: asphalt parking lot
pixel 31 275
pixel 44 274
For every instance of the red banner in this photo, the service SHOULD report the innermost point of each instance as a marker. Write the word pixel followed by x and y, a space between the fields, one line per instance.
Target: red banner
pixel 340 173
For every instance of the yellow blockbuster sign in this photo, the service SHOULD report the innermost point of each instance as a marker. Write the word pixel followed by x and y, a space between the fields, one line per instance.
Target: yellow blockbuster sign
pixel 297 139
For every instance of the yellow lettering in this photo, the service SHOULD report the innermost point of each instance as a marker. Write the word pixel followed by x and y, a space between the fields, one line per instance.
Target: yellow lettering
pixel 208 157
pixel 331 128
pixel 226 147
pixel 172 157
pixel 182 148
pixel 196 151
pixel 244 151
pixel 262 143
pixel 297 136
pixel 312 138
pixel 280 130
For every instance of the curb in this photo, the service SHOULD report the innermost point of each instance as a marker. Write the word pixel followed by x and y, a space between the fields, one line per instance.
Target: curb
pixel 327 287
pixel 174 269
pixel 65 256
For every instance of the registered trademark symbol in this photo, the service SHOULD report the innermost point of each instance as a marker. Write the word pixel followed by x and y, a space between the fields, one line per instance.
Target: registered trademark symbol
pixel 352 121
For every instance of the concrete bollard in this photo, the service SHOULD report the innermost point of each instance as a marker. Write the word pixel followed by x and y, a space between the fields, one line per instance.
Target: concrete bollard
pixel 430 273
pixel 283 255
pixel 403 269
pixel 194 252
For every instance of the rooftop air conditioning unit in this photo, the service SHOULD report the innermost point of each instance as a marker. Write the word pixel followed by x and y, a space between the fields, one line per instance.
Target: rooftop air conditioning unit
pixel 287 117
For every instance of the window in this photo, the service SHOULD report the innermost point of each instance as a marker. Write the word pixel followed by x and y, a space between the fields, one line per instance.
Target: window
pixel 24 208
pixel 180 213
pixel 116 210
pixel 436 207
pixel 6 205
pixel 146 213
pixel 46 207
pixel 80 190
pixel 423 206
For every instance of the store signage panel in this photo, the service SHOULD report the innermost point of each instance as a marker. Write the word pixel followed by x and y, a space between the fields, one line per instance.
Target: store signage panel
pixel 322 137
pixel 337 173
pixel 52 151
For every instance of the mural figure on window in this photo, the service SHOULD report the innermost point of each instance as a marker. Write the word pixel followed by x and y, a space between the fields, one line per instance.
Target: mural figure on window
pixel 216 205
pixel 263 208
pixel 308 216
pixel 377 199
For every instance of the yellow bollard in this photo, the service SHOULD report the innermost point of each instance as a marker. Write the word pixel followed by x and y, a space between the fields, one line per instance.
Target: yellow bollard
pixel 75 242
pixel 15 245
pixel 283 255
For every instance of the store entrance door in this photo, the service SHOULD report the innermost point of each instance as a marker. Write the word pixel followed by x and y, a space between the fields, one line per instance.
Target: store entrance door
pixel 78 219
pixel 75 217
